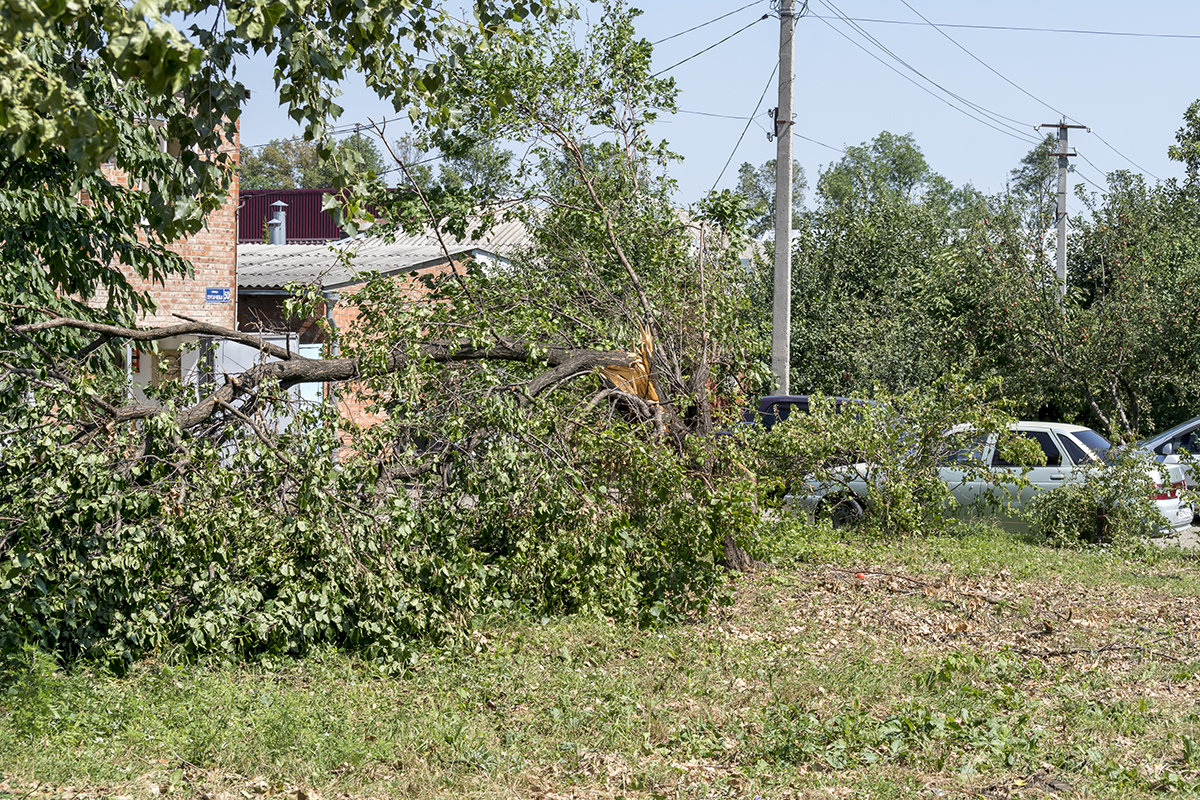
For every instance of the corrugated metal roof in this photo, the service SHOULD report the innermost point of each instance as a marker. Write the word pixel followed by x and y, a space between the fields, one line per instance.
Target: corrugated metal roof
pixel 273 266
pixel 306 220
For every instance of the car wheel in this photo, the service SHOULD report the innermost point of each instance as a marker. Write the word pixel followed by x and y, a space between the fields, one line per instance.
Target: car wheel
pixel 845 512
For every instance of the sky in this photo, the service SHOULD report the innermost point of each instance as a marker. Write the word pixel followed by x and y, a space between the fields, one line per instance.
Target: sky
pixel 1131 91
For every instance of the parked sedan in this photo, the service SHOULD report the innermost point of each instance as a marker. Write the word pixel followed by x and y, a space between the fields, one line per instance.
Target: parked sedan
pixel 1183 438
pixel 1068 449
pixel 776 408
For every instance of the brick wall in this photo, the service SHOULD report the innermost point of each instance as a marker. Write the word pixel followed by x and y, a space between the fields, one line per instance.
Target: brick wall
pixel 213 255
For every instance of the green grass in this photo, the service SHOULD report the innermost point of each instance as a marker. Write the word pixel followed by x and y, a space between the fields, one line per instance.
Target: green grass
pixel 962 664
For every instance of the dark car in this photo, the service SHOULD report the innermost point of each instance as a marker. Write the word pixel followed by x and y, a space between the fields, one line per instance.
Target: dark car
pixel 776 408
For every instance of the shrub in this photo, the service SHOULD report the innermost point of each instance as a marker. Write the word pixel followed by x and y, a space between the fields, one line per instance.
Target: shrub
pixel 882 454
pixel 1113 502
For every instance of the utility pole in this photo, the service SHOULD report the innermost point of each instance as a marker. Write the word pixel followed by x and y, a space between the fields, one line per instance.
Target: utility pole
pixel 1063 152
pixel 781 317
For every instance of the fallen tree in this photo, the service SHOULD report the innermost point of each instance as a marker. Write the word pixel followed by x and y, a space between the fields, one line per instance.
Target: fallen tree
pixel 545 444
pixel 290 369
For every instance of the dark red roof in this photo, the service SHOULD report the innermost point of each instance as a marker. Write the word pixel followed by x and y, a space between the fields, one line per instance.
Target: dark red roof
pixel 306 222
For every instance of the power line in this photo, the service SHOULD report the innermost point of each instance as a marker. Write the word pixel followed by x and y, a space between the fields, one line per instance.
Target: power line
pixel 339 130
pixel 1088 160
pixel 711 46
pixel 981 61
pixel 995 116
pixel 1083 175
pixel 764 128
pixel 1019 88
pixel 1122 155
pixel 923 88
pixel 426 160
pixel 733 152
pixel 1019 28
pixel 741 118
pixel 822 144
pixel 705 24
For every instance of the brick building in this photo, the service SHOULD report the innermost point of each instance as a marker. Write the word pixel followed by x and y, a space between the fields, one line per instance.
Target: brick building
pixel 209 294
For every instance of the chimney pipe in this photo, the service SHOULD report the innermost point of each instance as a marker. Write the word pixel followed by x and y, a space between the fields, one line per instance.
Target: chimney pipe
pixel 277 227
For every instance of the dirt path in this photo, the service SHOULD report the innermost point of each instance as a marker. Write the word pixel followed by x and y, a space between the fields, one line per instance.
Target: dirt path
pixel 1188 539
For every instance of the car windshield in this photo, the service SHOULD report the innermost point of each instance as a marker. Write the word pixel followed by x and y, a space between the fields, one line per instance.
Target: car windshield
pixel 1094 442
pixel 1172 433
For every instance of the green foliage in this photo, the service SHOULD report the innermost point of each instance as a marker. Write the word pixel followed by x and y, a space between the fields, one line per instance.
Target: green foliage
pixel 876 299
pixel 295 163
pixel 884 454
pixel 622 529
pixel 969 739
pixel 757 186
pixel 1032 186
pixel 899 279
pixel 889 167
pixel 116 121
pixel 276 547
pixel 1113 502
pixel 1186 149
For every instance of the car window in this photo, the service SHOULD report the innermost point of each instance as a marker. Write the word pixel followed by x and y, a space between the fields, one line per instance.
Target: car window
pixel 1189 442
pixel 778 412
pixel 1044 440
pixel 1093 441
pixel 971 453
pixel 1076 452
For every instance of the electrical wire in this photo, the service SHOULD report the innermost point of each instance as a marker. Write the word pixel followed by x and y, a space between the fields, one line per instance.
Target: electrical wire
pixel 711 46
pixel 1093 166
pixel 705 24
pixel 766 130
pixel 822 144
pixel 710 114
pixel 926 89
pixel 1122 155
pixel 1083 175
pixel 348 128
pixel 990 68
pixel 1021 89
pixel 1018 28
pixel 733 152
pixel 1018 127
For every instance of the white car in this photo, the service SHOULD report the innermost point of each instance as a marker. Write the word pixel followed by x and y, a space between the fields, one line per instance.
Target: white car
pixel 1067 448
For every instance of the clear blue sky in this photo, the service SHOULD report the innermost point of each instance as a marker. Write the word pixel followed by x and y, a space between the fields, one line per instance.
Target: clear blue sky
pixel 1132 91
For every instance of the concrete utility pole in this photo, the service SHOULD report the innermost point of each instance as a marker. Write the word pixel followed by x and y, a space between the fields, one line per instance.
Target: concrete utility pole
pixel 781 318
pixel 1063 152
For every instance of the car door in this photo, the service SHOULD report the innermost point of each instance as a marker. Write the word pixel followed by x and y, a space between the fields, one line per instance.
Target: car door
pixel 959 471
pixel 1041 477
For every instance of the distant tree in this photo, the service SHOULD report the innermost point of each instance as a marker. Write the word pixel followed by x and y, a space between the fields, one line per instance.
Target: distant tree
pixel 1032 184
pixel 1186 149
pixel 296 164
pixel 757 185
pixel 887 166
pixel 479 166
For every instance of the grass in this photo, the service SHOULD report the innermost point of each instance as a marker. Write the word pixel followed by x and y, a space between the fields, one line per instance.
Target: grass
pixel 981 665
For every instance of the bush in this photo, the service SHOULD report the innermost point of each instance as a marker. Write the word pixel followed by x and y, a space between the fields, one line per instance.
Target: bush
pixel 882 454
pixel 1112 503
